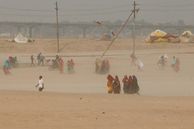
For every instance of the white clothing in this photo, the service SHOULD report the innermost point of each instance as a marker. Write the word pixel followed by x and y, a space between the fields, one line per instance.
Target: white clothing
pixel 40 83
pixel 165 56
pixel 140 64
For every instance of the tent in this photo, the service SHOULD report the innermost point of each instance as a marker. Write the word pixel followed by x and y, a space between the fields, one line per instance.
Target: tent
pixel 156 36
pixel 158 33
pixel 187 37
pixel 161 36
pixel 20 39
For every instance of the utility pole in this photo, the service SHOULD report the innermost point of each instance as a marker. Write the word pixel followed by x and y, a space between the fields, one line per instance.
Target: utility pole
pixel 57 26
pixel 135 10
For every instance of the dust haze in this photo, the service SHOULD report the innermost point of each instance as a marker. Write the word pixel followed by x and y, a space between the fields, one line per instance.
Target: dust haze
pixel 157 47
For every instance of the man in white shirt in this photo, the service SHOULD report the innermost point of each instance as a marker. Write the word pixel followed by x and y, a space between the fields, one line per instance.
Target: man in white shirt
pixel 40 84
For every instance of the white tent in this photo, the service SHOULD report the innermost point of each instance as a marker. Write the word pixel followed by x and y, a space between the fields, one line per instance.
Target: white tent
pixel 187 37
pixel 20 38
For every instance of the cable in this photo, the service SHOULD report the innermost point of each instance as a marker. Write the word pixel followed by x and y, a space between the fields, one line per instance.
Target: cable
pixel 120 30
pixel 22 9
pixel 61 9
pixel 96 13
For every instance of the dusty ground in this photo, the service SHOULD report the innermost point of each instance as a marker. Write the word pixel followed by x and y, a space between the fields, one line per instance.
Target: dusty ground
pixel 33 110
pixel 80 99
pixel 81 45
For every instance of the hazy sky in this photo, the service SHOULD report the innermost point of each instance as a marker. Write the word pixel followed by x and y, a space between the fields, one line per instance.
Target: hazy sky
pixel 90 10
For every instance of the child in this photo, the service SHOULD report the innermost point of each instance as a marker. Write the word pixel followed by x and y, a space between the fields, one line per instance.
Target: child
pixel 40 84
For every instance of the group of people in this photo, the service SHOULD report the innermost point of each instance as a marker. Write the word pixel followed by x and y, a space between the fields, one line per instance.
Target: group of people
pixel 58 63
pixel 130 85
pixel 102 66
pixel 175 64
pixel 40 59
pixel 162 61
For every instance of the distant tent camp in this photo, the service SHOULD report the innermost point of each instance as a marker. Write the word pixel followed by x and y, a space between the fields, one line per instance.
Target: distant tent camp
pixel 158 33
pixel 156 36
pixel 160 36
pixel 187 33
pixel 20 39
pixel 187 37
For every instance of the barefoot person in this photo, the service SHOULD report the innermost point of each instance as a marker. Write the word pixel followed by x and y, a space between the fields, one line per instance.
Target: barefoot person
pixel 40 84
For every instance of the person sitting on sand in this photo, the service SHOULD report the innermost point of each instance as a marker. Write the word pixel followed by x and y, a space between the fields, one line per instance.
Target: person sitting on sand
pixel 40 84
pixel 110 84
pixel 116 85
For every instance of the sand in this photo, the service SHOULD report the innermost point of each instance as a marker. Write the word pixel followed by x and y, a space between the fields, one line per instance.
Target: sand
pixel 33 110
pixel 80 100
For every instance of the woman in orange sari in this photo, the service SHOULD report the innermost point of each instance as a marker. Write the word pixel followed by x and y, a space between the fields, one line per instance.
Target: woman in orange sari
pixel 109 84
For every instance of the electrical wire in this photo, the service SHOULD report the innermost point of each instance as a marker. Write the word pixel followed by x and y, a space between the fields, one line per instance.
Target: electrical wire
pixel 116 36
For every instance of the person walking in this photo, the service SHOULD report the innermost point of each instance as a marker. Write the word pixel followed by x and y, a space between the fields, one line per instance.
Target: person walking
pixel 40 84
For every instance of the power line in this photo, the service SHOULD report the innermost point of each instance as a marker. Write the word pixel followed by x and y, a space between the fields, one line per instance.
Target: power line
pixel 150 5
pixel 25 15
pixel 183 5
pixel 68 10
pixel 116 36
pixel 167 10
pixel 133 12
pixel 95 9
pixel 65 14
pixel 24 9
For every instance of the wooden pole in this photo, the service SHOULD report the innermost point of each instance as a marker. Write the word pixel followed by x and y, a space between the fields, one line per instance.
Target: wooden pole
pixel 57 26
